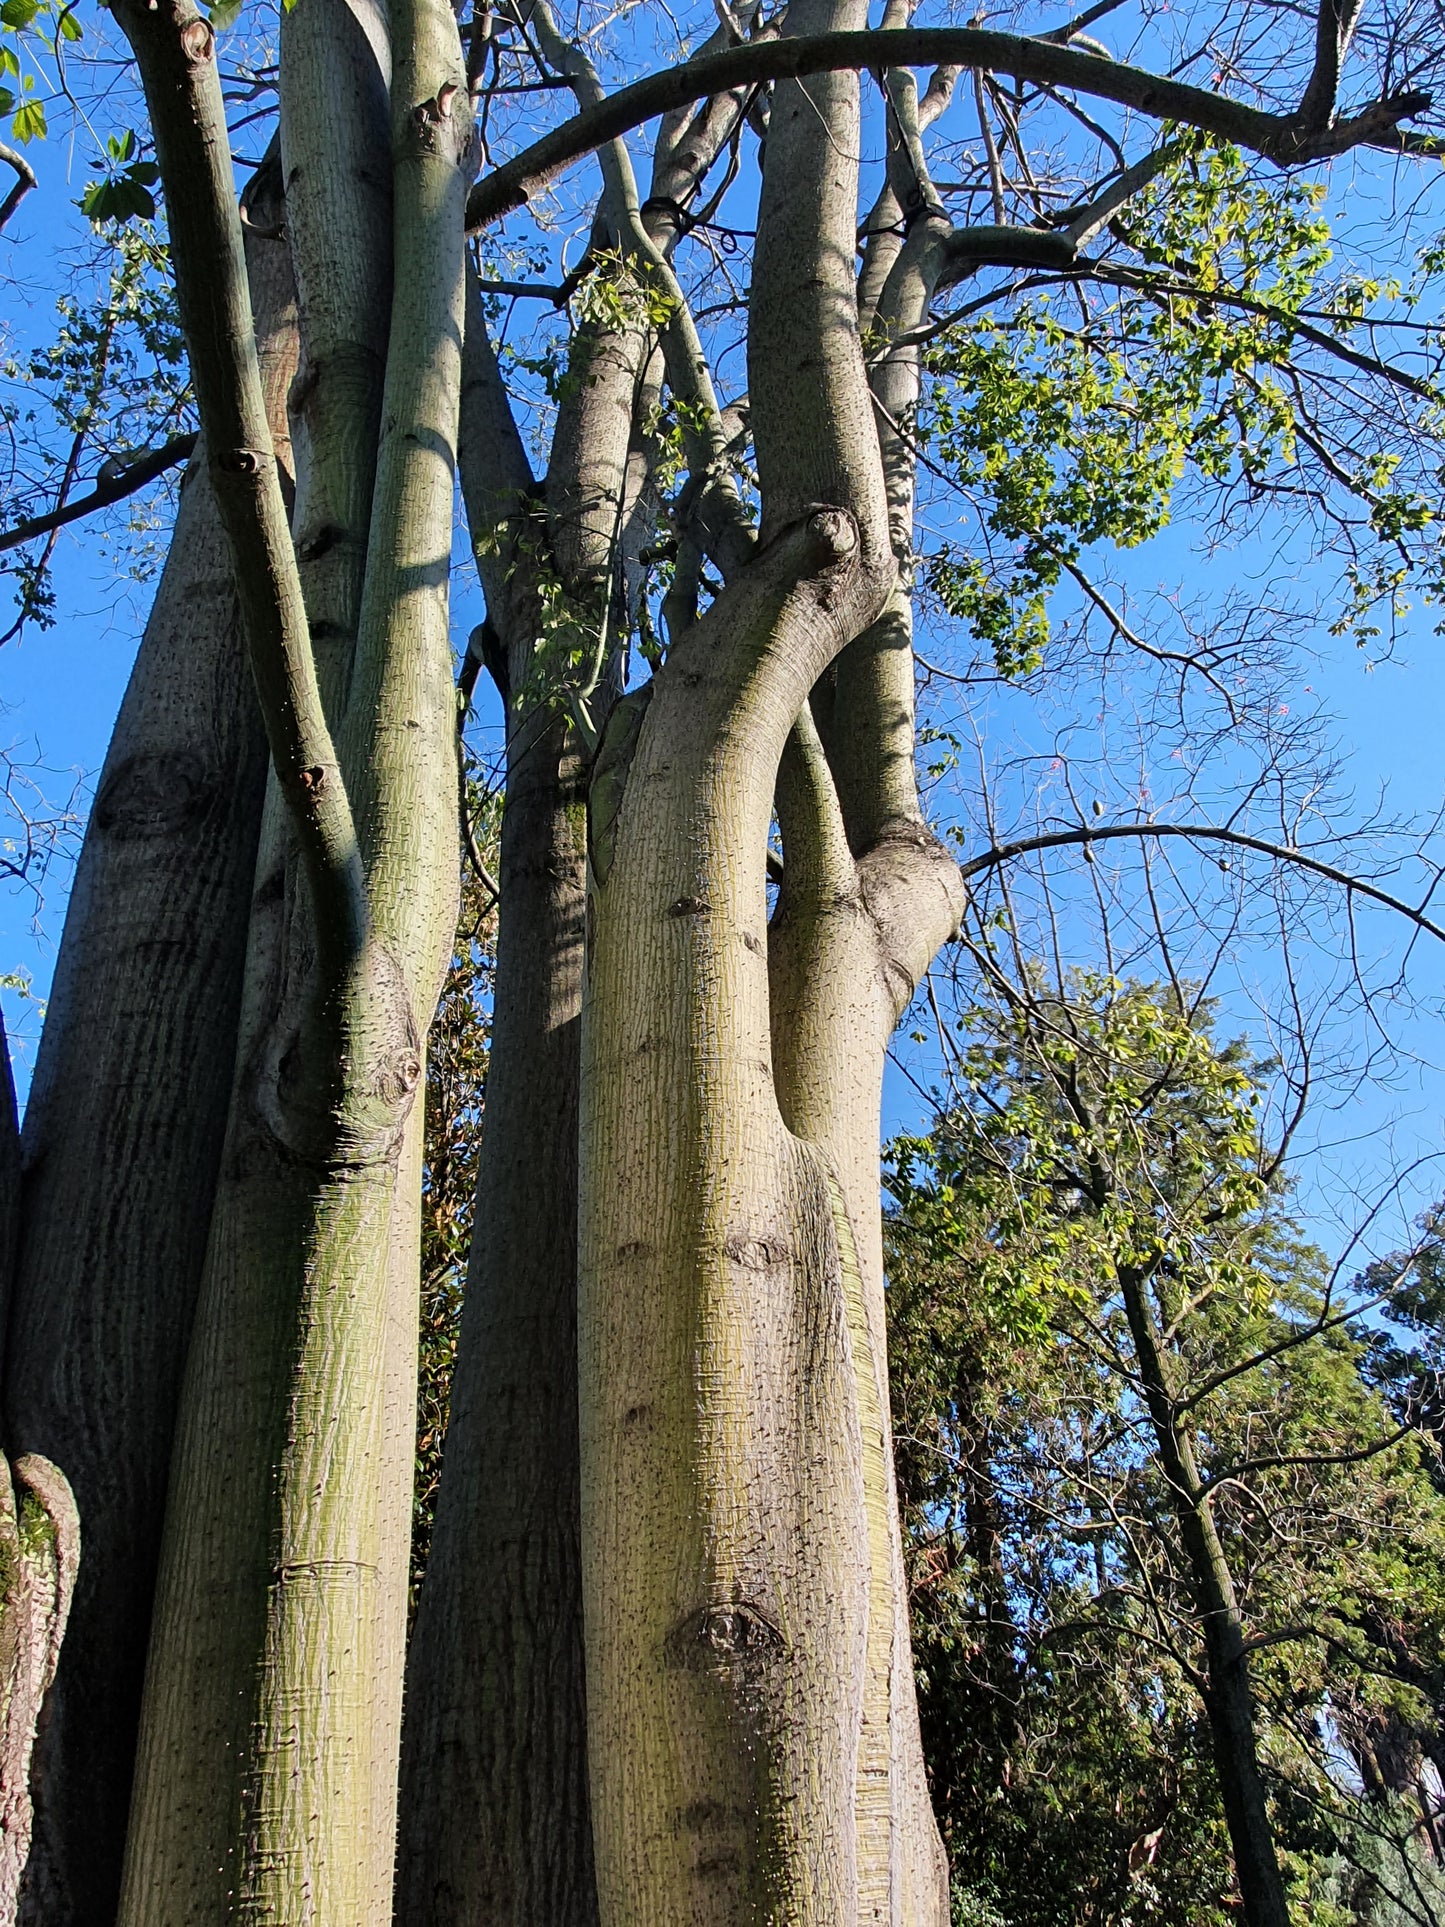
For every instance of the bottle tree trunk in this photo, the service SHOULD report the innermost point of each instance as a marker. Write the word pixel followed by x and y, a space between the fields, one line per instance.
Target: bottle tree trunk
pixel 495 1814
pixel 495 1822
pixel 265 1784
pixel 751 1746
pixel 123 1131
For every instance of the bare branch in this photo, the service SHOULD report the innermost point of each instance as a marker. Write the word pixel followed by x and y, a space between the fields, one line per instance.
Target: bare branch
pixel 1280 138
pixel 1203 832
pixel 126 480
pixel 24 181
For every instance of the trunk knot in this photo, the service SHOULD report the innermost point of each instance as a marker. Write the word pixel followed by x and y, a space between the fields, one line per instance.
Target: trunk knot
pixel 198 41
pixel 833 535
pixel 727 1634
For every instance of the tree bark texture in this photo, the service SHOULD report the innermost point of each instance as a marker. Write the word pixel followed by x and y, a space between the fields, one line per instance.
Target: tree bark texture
pixel 123 1132
pixel 495 1821
pixel 753 1734
pixel 266 1772
pixel 39 1554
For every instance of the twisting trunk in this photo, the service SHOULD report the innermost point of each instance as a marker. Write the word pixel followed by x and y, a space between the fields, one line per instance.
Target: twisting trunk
pixel 1228 1701
pixel 753 1734
pixel 123 1131
pixel 266 1769
pixel 725 1538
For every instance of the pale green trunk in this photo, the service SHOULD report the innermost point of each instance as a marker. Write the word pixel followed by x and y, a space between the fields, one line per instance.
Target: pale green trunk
pixel 725 1539
pixel 266 1775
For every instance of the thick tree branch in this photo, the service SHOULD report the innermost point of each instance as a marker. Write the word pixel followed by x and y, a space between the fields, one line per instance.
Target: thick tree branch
pixel 114 488
pixel 175 49
pixel 1284 139
pixel 1200 832
pixel 24 181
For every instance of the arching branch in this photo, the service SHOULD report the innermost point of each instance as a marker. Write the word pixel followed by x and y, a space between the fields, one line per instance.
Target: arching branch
pixel 1204 833
pixel 1283 138
pixel 24 181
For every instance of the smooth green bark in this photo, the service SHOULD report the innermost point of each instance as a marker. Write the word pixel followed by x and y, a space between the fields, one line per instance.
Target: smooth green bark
pixel 266 1781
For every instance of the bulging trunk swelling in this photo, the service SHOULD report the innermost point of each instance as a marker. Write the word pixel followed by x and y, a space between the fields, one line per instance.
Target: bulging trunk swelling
pixel 123 1136
pixel 495 1822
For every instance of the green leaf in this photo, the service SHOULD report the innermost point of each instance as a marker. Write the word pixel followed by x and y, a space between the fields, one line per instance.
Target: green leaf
pixel 225 13
pixel 29 121
pixel 70 27
pixel 9 61
pixel 122 198
pixel 7 100
pixel 18 13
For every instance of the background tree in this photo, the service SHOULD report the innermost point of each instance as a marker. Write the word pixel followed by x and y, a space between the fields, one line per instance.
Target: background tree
pixel 1056 1489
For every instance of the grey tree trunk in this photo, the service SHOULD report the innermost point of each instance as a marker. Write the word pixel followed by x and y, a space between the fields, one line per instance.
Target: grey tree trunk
pixel 495 1820
pixel 123 1133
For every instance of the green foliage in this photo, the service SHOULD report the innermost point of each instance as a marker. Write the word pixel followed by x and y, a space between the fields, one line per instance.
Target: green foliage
pixel 32 36
pixel 1071 420
pixel 1103 1129
pixel 112 381
pixel 124 193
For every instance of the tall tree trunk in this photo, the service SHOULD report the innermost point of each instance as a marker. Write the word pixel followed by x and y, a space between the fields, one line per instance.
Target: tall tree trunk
pixel 495 1823
pixel 266 1767
pixel 725 1536
pixel 1228 1701
pixel 752 1727
pixel 123 1132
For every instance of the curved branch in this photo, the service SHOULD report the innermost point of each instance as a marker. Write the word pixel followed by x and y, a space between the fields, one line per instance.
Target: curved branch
pixel 24 181
pixel 1201 832
pixel 1284 139
pixel 115 488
